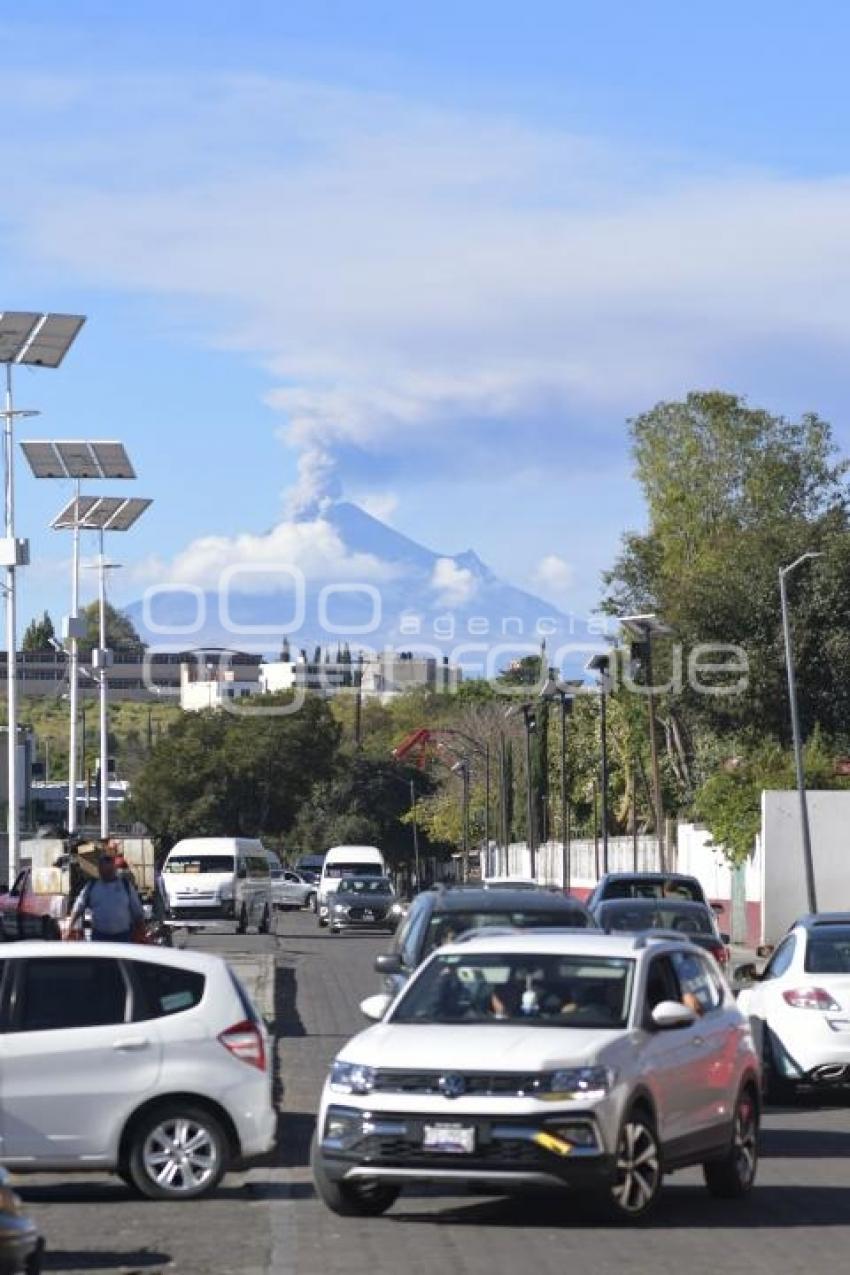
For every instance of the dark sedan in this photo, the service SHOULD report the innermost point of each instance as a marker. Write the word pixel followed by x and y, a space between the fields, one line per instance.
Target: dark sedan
pixel 686 919
pixel 364 903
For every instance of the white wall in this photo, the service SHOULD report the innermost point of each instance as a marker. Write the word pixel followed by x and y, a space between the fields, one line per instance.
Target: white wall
pixel 784 881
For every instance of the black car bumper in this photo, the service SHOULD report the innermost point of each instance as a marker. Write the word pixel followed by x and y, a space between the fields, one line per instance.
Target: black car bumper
pixel 553 1151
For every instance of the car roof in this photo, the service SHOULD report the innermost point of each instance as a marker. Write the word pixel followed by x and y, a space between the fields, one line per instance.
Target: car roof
pixel 821 920
pixel 560 943
pixel 648 876
pixel 203 962
pixel 481 900
pixel 691 905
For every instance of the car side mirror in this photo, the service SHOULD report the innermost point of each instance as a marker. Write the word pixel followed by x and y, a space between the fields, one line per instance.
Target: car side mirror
pixel 388 963
pixel 725 938
pixel 669 1015
pixel 746 974
pixel 375 1007
pixel 717 908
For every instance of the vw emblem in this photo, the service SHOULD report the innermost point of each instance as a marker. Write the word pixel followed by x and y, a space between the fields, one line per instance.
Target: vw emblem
pixel 452 1085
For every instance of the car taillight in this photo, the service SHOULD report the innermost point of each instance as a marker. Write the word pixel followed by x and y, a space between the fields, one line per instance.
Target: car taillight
pixel 720 952
pixel 809 998
pixel 245 1041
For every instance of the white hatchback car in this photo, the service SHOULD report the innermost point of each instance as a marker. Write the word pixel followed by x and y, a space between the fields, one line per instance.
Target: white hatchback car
pixel 148 1062
pixel 800 1005
pixel 576 1059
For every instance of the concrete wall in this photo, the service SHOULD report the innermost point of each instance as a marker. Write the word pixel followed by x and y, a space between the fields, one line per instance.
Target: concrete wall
pixel 783 876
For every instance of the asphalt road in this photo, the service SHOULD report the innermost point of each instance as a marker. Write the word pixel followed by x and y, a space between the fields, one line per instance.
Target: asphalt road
pixel 269 1220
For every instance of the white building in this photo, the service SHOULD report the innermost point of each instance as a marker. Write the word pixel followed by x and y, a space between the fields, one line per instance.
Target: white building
pixel 382 676
pixel 215 685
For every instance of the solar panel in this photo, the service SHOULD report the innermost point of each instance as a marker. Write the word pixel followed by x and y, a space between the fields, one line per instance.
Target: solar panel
pixel 74 513
pixel 103 513
pixel 113 459
pixel 78 458
pixel 129 513
pixel 44 460
pixel 49 341
pixel 16 326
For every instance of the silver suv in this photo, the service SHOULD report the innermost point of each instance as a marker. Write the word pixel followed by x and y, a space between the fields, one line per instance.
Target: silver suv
pixel 592 1061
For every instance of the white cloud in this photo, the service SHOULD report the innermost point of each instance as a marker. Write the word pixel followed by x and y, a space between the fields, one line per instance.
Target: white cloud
pixel 380 504
pixel 454 585
pixel 265 563
pixel 423 283
pixel 554 577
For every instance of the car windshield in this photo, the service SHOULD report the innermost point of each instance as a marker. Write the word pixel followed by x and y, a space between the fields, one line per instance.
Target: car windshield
pixel 194 863
pixel 365 885
pixel 829 953
pixel 446 926
pixel 533 989
pixel 635 888
pixel 665 916
pixel 338 870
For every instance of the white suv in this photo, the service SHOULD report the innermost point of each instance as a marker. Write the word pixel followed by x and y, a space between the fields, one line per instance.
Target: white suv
pixel 584 1060
pixel 145 1061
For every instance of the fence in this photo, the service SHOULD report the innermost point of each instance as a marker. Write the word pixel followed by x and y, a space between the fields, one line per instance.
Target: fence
pixel 625 854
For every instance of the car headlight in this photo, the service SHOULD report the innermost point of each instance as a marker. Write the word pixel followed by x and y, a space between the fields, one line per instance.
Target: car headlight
pixel 352 1078
pixel 339 907
pixel 396 909
pixel 578 1082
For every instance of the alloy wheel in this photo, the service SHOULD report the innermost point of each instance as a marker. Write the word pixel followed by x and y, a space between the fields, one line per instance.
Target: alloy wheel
pixel 638 1175
pixel 180 1155
pixel 745 1140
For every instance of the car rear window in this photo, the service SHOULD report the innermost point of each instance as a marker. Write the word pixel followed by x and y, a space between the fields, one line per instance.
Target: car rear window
pixel 338 870
pixel 829 953
pixel 660 889
pixel 446 926
pixel 163 990
pixel 666 916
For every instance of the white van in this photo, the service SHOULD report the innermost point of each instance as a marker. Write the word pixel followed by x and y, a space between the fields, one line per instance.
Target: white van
pixel 347 861
pixel 219 879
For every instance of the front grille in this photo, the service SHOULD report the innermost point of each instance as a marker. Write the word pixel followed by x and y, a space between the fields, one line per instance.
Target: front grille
pixel 484 1084
pixel 359 914
pixel 398 1152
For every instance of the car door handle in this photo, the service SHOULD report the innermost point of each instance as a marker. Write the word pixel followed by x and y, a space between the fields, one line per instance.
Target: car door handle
pixel 131 1042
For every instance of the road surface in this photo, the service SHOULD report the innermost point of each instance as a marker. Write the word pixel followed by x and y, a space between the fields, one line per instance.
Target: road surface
pixel 268 1220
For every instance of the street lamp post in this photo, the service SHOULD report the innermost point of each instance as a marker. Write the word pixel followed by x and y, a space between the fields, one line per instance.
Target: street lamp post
pixel 37 340
pixel 462 768
pixel 808 862
pixel 413 816
pixel 75 460
pixel 643 628
pixel 564 692
pixel 601 664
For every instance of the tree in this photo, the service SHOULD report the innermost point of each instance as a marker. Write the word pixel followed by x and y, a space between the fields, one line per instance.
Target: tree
pixel 733 493
pixel 38 634
pixel 215 774
pixel 121 633
pixel 522 672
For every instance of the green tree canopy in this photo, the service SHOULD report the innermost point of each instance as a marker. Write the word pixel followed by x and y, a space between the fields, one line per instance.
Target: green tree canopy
pixel 38 633
pixel 121 633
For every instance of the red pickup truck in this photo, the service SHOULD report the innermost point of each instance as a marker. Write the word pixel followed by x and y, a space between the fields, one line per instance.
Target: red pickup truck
pixel 27 915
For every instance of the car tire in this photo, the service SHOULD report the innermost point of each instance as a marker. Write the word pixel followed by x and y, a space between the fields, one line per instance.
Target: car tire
pixel 310 902
pixel 50 930
pixel 732 1177
pixel 152 1143
pixel 638 1174
pixel 242 923
pixel 364 1198
pixel 265 921
pixel 321 922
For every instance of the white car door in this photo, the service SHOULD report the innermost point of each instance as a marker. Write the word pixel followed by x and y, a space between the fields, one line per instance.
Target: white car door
pixel 670 1059
pixel 715 1043
pixel 72 1065
pixel 759 998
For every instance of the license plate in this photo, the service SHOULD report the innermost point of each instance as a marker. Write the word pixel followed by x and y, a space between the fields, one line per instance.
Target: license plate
pixel 449 1139
pixel 368 916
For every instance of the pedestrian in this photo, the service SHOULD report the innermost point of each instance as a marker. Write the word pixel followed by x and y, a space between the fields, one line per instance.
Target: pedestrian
pixel 117 912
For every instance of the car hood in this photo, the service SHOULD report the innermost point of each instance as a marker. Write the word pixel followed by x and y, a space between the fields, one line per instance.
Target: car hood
pixel 474 1047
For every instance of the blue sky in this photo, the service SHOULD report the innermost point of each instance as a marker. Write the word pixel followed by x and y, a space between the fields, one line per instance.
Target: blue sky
pixel 433 255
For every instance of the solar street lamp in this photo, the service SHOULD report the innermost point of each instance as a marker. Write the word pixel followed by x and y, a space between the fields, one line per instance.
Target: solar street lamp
pixel 76 459
pixel 32 339
pixel 102 514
